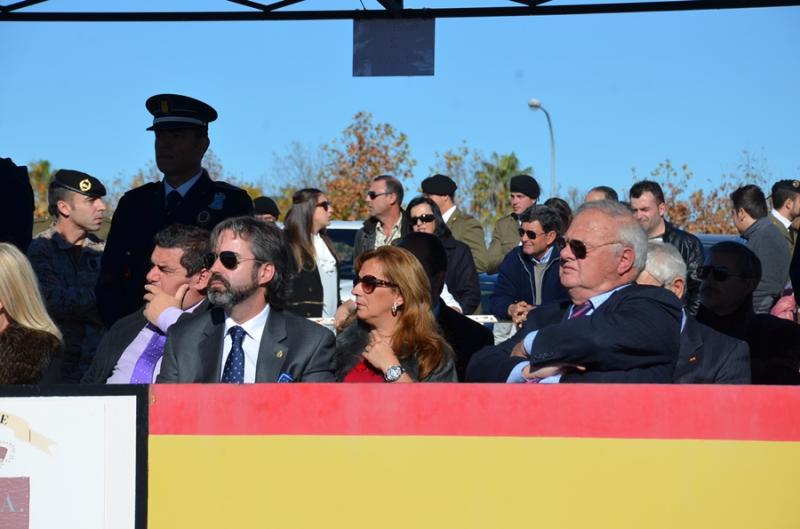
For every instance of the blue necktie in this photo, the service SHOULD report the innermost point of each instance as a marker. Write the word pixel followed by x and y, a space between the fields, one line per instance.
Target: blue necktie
pixel 234 365
pixel 580 310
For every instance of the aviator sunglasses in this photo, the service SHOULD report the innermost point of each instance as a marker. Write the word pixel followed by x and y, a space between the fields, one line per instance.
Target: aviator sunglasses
pixel 579 248
pixel 228 259
pixel 373 195
pixel 422 218
pixel 529 233
pixel 369 283
pixel 719 273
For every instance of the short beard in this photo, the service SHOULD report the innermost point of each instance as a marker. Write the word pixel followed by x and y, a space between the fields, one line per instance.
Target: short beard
pixel 229 297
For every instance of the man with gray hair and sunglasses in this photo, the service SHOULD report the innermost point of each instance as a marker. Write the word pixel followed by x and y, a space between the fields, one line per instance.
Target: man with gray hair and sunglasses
pixel 706 356
pixel 613 331
pixel 247 337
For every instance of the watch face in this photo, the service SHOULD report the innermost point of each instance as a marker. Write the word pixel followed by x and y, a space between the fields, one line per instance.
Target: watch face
pixel 393 373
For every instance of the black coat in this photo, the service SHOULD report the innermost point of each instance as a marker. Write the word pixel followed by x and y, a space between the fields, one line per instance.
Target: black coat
pixel 464 336
pixel 691 249
pixel 634 336
pixel 462 277
pixel 141 213
pixel 305 295
pixel 710 357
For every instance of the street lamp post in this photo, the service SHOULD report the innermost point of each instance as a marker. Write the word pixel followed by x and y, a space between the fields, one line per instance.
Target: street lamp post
pixel 535 104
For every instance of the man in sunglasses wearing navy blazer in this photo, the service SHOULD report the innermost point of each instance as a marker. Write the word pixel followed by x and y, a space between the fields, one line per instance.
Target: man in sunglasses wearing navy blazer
pixel 613 331
pixel 247 337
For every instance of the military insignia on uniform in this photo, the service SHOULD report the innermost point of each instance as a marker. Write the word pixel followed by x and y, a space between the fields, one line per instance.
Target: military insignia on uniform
pixel 85 185
pixel 219 200
pixel 164 106
pixel 795 183
pixel 279 354
pixel 203 217
pixel 285 377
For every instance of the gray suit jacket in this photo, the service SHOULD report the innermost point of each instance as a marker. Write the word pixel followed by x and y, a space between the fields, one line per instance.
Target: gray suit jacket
pixel 290 345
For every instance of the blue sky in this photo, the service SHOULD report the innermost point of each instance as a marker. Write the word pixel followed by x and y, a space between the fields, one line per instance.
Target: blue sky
pixel 624 90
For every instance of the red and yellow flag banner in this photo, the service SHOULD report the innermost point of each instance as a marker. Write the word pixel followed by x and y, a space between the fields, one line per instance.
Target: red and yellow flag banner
pixel 474 456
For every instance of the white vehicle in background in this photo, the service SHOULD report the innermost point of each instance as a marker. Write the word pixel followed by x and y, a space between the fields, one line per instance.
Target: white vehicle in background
pixel 343 235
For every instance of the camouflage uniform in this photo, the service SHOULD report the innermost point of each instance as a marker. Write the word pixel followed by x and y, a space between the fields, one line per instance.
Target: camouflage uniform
pixel 67 276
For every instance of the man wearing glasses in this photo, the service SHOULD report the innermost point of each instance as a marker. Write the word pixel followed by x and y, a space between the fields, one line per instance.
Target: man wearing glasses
pixel 528 275
pixel 131 351
pixel 248 337
pixel 613 331
pixel 387 221
pixel 730 277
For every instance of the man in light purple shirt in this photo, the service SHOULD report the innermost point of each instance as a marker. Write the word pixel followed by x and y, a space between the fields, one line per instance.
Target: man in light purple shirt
pixel 130 352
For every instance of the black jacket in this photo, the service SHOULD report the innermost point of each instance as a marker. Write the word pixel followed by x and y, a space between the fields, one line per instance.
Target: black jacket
pixel 691 249
pixel 462 277
pixel 141 213
pixel 365 237
pixel 464 336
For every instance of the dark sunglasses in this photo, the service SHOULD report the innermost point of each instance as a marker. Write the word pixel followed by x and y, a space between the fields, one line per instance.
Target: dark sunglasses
pixel 373 195
pixel 324 205
pixel 228 259
pixel 529 233
pixel 579 248
pixel 719 273
pixel 422 218
pixel 368 283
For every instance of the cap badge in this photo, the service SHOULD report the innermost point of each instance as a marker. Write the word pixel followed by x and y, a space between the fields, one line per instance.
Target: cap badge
pixel 216 203
pixel 164 106
pixel 85 185
pixel 795 183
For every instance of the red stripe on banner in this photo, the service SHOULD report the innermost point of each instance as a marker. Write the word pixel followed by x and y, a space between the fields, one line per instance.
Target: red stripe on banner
pixel 765 413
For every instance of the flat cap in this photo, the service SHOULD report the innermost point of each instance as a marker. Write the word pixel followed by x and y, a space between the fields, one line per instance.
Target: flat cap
pixel 172 111
pixel 266 206
pixel 527 185
pixel 789 185
pixel 79 182
pixel 439 184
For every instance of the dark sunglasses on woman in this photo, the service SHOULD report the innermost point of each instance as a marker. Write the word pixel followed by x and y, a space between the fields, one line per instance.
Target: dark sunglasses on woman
pixel 422 218
pixel 324 205
pixel 228 259
pixel 369 283
pixel 719 273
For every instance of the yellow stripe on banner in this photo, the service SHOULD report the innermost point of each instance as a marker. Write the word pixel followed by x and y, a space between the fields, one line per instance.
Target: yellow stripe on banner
pixel 470 482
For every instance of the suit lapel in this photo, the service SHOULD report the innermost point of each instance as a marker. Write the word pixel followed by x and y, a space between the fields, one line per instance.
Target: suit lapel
pixel 273 350
pixel 209 351
pixel 691 344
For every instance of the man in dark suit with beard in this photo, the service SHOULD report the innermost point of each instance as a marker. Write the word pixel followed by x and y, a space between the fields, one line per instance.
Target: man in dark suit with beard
pixel 614 330
pixel 186 195
pixel 247 336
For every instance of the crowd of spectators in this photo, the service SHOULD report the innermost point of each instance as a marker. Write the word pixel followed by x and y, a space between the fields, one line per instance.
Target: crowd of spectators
pixel 198 283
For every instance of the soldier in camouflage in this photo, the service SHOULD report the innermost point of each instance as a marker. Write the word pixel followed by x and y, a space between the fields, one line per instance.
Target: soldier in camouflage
pixel 66 259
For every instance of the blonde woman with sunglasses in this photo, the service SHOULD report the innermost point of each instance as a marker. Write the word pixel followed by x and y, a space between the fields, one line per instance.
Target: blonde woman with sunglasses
pixel 392 336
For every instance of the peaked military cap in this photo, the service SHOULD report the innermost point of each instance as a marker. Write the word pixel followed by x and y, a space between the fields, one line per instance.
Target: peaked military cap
pixel 79 182
pixel 439 184
pixel 789 185
pixel 172 111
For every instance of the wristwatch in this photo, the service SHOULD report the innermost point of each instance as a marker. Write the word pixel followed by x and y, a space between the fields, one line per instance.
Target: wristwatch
pixel 393 374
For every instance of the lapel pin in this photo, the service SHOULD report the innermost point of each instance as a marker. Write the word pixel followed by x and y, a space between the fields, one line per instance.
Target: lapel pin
pixel 279 354
pixel 692 359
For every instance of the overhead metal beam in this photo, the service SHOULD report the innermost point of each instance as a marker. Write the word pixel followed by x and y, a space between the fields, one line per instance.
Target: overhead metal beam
pixel 392 5
pixel 19 5
pixel 466 12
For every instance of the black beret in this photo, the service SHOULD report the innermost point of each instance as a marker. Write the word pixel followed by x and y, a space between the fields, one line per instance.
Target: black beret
pixel 789 185
pixel 79 182
pixel 439 184
pixel 527 185
pixel 172 111
pixel 266 206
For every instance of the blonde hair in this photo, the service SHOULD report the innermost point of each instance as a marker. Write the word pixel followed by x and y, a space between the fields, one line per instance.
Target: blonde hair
pixel 19 292
pixel 416 333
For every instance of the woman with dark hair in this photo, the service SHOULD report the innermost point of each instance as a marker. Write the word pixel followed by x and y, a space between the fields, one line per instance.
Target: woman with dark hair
pixel 393 336
pixel 462 277
pixel 314 290
pixel 30 343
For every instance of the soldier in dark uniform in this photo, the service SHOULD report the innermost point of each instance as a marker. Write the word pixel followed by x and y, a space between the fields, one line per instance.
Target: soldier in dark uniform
pixel 66 259
pixel 186 195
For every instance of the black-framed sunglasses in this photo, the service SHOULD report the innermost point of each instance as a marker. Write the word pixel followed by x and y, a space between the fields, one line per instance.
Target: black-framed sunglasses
pixel 369 283
pixel 324 205
pixel 228 259
pixel 373 195
pixel 422 218
pixel 579 248
pixel 719 273
pixel 528 233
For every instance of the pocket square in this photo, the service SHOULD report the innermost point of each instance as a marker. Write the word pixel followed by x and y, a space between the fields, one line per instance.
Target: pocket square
pixel 285 377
